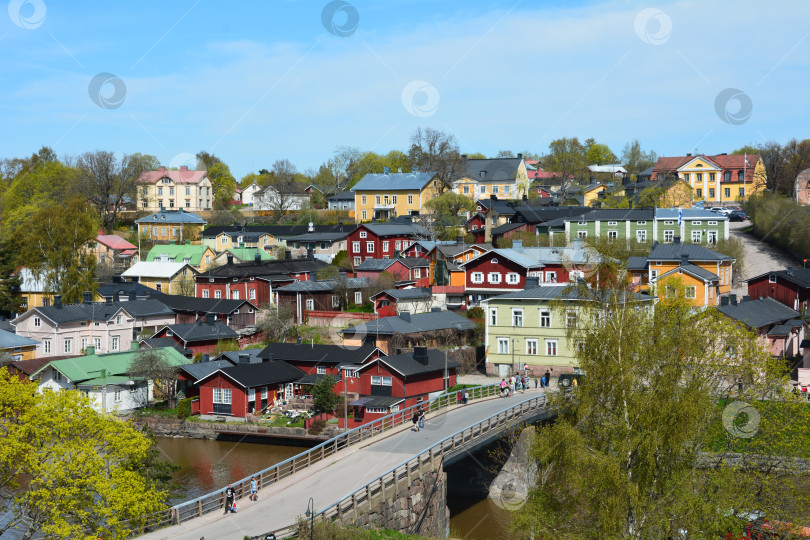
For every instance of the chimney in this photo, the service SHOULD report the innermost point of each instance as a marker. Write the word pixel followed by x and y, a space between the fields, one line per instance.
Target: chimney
pixel 87 297
pixel 724 300
pixel 134 345
pixel 405 315
pixel 746 298
pixel 463 156
pixel 342 275
pixel 676 240
pixel 244 358
pixel 493 197
pixel 386 170
pixel 204 358
pixel 116 296
pixel 209 319
pixel 57 301
pixel 399 351
pixel 90 350
pixel 117 278
pixel 287 254
pixel 517 245
pixel 162 169
pixel 532 282
pixel 684 258
pixel 108 300
pixel 313 276
pixel 298 340
pixel 269 358
pixel 184 167
pixel 420 355
pixel 257 258
pixel 520 156
pixel 131 296
pixel 435 310
pixel 525 197
pixel 230 259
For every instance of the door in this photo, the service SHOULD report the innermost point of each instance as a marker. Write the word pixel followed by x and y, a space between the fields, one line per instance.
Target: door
pixel 503 370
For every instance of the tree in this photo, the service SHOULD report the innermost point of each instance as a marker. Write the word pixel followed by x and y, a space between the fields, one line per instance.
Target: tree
pixel 67 471
pixel 504 154
pixel 324 398
pixel 54 246
pixel 223 183
pixel 433 150
pixel 640 450
pixel 282 188
pixel 107 182
pixel 373 163
pixel 340 166
pixel 449 212
pixel 635 159
pixel 152 365
pixel 276 322
pixel 476 155
pixel 598 154
pixel 566 157
pixel 10 301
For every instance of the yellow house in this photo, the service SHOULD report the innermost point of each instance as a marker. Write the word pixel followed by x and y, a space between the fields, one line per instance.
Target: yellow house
pixel 166 277
pixel 170 226
pixel 33 291
pixel 388 195
pixel 716 179
pixel 669 193
pixel 505 178
pixel 225 240
pixel 590 193
pixel 17 347
pixel 701 274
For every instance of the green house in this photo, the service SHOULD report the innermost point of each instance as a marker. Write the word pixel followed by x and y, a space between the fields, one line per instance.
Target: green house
pixel 199 256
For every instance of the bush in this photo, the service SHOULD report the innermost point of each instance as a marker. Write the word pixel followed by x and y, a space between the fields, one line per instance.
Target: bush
pixel 475 313
pixel 184 408
pixel 781 222
pixel 316 427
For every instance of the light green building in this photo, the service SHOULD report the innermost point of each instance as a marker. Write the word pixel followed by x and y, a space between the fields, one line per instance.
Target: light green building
pixel 199 256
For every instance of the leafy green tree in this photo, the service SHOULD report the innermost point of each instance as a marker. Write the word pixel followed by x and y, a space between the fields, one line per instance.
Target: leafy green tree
pixel 373 163
pixel 476 155
pixel 342 260
pixel 644 448
pixel 635 159
pixel 598 154
pixel 53 246
pixel 324 398
pixel 67 471
pixel 566 157
pixel 505 154
pixel 223 183
pixel 10 301
pixel 449 212
pixel 152 365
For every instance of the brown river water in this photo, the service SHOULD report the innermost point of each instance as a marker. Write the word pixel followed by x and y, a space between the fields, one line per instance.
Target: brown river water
pixel 207 465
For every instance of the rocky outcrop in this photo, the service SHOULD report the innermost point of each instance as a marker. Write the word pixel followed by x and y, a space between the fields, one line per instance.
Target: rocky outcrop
pixel 517 475
pixel 170 427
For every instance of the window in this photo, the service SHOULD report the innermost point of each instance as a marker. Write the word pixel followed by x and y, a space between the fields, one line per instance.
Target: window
pixel 68 345
pixel 171 191
pixel 205 293
pixel 506 189
pixel 310 304
pixel 116 343
pixel 97 343
pixel 551 277
pixel 669 236
pixel 582 234
pixel 57 376
pixel 483 190
pixel 670 291
pixel 410 199
pixel 224 240
pixel 188 191
pixel 691 292
pixel 686 177
pixel 669 223
pixel 335 301
pixel 494 261
pixel 363 212
pixel 478 277
pixel 512 278
pixel 385 246
pixel 362 200
pixel 494 190
pixel 613 235
pixel 163 231
pixel 545 318
pixel 517 318
pixel 772 278
pixel 699 193
pixel 377 199
pixel 612 224
pixel 235 295
pixel 697 236
pixel 712 223
pixel 217 294
pixel 641 236
pixel 465 189
pixel 357 260
pixel 417 272
pixel 252 294
pixel 264 393
pixel 321 370
pixel 370 247
pixel 711 193
pixel 653 274
pixel 358 297
pixel 711 237
pixel 37 321
pixel 551 347
pixel 398 245
pixel 727 193
pixel 531 346
pixel 119 319
pixel 84 343
pixel 503 345
pixel 493 316
pixel 699 177
pixel 46 345
pixel 251 395
pixel 356 247
pixel 742 192
pixel 377 380
pixel 698 223
pixel 222 400
pixel 160 190
pixel 711 177
pixel 494 277
pixel 571 318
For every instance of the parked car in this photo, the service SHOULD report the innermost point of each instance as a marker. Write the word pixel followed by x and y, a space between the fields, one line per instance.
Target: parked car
pixel 737 215
pixel 716 209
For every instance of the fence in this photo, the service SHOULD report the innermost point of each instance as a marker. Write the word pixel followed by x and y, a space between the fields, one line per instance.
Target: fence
pixel 362 499
pixel 216 500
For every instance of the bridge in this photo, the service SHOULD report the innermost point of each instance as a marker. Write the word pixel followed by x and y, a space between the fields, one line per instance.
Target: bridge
pixel 347 472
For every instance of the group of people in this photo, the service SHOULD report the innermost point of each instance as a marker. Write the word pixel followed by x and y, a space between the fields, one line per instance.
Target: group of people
pixel 418 419
pixel 521 382
pixel 230 495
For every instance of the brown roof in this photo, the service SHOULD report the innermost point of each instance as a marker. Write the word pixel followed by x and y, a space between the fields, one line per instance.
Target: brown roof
pixel 723 161
pixel 35 364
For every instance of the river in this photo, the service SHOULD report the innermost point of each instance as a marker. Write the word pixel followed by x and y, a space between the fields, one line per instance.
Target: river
pixel 207 465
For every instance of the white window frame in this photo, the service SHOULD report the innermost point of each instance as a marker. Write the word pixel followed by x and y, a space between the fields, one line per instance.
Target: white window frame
pixel 613 235
pixel 358 297
pixel 251 395
pixel 545 318
pixel 310 304
pixel 494 277
pixel 571 318
pixel 385 245
pixel 697 223
pixel 116 343
pixel 772 278
pixel 690 292
pixel 410 199
pixel 363 234
pixel 493 316
pixel 477 277
pixel 68 346
pixel 37 322
pixel 234 295
pixel 513 278
pixel 355 247
pixel 503 345
pixel 531 347
pixel 320 370
pixel 612 223
pixel 46 345
pixel 697 237
pixel 217 294
pixel 335 301
pixel 552 347
pixel 370 247
pixel 641 236
pixel 669 236
pixel 205 293
pixel 363 214
pixel 252 294
pixel 582 235
pixel 551 277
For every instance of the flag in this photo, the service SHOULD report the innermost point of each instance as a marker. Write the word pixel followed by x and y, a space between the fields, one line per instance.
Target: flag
pixel 680 216
pixel 747 163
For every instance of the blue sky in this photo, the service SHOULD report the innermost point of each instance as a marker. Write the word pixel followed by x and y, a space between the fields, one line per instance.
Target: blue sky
pixel 254 82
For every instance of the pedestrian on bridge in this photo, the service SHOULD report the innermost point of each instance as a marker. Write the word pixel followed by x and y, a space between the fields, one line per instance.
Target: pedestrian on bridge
pixel 422 419
pixel 415 420
pixel 229 495
pixel 254 489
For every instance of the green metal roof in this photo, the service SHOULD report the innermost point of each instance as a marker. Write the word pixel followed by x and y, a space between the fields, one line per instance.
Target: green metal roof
pixel 101 381
pixel 178 253
pixel 85 369
pixel 248 254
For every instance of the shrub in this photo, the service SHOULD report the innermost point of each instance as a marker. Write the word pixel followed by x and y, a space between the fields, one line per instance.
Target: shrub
pixel 184 408
pixel 475 313
pixel 317 426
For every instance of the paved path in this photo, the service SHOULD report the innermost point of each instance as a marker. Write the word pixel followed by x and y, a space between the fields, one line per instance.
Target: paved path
pixel 331 480
pixel 760 256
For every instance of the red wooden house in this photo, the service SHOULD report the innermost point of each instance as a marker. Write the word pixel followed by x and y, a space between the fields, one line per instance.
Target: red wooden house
pixel 242 389
pixel 496 272
pixel 391 383
pixel 790 287
pixel 411 269
pixel 381 240
pixel 202 336
pixel 326 295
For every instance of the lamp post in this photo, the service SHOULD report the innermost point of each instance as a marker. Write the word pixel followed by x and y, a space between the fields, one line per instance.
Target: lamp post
pixel 346 381
pixel 445 371
pixel 310 513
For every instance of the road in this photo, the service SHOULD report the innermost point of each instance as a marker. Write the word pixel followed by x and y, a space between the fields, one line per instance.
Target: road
pixel 329 481
pixel 760 256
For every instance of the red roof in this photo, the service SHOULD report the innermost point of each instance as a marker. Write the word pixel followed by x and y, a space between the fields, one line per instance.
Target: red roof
pixel 183 176
pixel 723 161
pixel 113 241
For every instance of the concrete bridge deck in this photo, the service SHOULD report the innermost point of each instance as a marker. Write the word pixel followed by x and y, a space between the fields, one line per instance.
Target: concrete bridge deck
pixel 327 482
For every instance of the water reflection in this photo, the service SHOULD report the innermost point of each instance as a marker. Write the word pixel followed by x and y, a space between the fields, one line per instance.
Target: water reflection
pixel 478 519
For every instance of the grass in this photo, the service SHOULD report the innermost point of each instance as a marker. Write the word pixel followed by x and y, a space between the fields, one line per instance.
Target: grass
pixel 281 421
pixel 159 409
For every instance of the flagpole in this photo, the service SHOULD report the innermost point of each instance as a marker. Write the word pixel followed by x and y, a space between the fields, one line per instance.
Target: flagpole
pixel 745 173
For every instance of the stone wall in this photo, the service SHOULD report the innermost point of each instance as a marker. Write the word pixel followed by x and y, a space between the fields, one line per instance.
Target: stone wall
pixel 418 506
pixel 169 427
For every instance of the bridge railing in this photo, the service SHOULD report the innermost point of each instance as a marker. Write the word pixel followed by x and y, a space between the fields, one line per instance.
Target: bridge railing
pixel 361 500
pixel 211 502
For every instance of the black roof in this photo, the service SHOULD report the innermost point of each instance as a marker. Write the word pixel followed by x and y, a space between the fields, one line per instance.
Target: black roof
pixel 277 268
pixel 407 294
pixel 326 285
pixel 492 170
pixel 407 365
pixel 499 206
pixel 277 230
pixel 505 228
pixel 677 251
pixel 345 195
pixel 799 277
pixel 537 214
pixel 411 324
pixel 263 374
pixel 123 288
pixel 759 313
pixel 618 214
pixel 220 306
pixel 318 354
pixel 202 331
pixel 101 311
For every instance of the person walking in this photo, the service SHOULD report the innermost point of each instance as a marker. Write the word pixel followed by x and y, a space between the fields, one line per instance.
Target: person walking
pixel 547 376
pixel 415 420
pixel 254 489
pixel 466 397
pixel 229 495
pixel 503 387
pixel 541 383
pixel 422 419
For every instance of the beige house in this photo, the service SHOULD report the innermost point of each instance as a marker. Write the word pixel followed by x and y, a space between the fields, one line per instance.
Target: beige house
pixel 165 277
pixel 503 178
pixel 190 190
